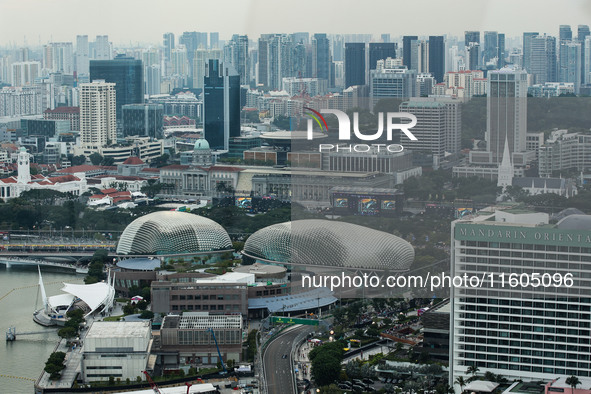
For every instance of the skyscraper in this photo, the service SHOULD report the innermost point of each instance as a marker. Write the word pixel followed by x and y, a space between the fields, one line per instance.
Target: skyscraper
pixel 200 63
pixel 98 124
pixel 473 53
pixel 236 55
pixel 397 82
pixel 569 68
pixel 407 47
pixel 490 46
pixel 144 120
pixel 506 111
pixel 320 56
pixel 221 105
pixel 527 37
pixel 438 128
pixel 437 57
pixel 189 40
pixel 214 40
pixel 82 58
pixel 102 48
pixel 542 59
pixel 126 73
pixel 565 33
pixel 354 64
pixel 582 33
pixel 168 41
pixel 471 36
pixel 501 50
pixel 519 332
pixel 153 79
pixel 59 57
pixel 380 51
pixel 24 73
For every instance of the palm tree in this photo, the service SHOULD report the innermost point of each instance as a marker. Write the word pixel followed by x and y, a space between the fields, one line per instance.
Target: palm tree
pixel 460 382
pixel 573 382
pixel 472 370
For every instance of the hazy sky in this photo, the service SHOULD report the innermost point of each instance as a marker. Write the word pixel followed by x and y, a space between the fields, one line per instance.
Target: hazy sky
pixel 144 21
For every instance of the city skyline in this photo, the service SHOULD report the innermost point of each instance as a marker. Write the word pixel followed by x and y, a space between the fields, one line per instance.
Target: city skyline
pixel 257 17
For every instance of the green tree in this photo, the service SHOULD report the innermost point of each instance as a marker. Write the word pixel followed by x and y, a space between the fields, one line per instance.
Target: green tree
pixel 147 315
pixel 78 160
pixel 573 382
pixel 95 158
pixel 67 332
pixel 325 369
pixel 460 382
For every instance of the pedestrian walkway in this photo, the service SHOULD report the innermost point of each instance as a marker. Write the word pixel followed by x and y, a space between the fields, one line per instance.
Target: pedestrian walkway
pixel 302 360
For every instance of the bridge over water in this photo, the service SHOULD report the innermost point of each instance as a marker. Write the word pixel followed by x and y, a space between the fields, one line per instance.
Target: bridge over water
pixel 10 261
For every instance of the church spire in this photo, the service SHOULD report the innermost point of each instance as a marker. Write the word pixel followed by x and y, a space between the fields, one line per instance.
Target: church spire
pixel 506 170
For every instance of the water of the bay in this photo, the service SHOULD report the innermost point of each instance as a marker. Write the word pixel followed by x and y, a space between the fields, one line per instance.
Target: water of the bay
pixel 25 357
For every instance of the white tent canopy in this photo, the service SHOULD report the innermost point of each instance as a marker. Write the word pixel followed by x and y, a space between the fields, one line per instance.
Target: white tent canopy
pixel 94 295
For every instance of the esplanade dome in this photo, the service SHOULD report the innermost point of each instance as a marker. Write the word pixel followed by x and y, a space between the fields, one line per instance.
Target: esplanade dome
pixel 172 232
pixel 329 243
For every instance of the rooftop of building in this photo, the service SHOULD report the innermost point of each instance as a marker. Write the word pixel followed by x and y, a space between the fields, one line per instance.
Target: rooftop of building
pixel 202 321
pixel 104 329
pixel 585 383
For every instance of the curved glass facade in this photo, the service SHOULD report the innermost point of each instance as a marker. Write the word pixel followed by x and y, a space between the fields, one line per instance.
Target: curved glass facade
pixel 330 243
pixel 172 232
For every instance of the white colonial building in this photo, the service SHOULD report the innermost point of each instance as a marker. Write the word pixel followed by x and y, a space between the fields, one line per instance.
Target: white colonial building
pixel 13 187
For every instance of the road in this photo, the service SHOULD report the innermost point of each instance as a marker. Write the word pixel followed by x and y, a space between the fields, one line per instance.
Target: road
pixel 278 370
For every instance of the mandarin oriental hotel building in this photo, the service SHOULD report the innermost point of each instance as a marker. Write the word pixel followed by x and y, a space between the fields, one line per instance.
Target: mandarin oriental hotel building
pixel 521 332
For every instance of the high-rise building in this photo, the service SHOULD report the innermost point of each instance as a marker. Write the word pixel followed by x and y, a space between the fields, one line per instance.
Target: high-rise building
pixel 320 56
pixel 490 46
pixel 526 52
pixel 582 34
pixel 59 57
pixel 407 49
pixel 565 33
pixel 542 59
pixel 236 55
pixel 143 120
pixel 221 105
pixel 569 67
pixel 501 55
pixel 24 73
pixel 168 42
pixel 153 78
pixel 439 127
pixel 98 122
pixel 354 64
pixel 397 82
pixel 200 62
pixel 214 40
pixel 527 333
pixel 506 111
pixel 179 62
pixel 471 36
pixel 189 40
pixel 102 48
pixel 82 55
pixel 473 53
pixel 385 37
pixel 380 51
pixel 338 48
pixel 437 57
pixel 126 73
pixel 275 59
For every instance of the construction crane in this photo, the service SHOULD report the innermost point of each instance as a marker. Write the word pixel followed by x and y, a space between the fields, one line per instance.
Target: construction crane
pixel 153 385
pixel 218 348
